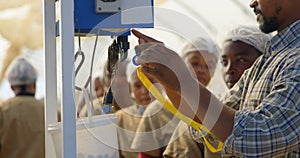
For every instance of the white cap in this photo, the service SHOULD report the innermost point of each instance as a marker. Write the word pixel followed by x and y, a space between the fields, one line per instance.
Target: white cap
pixel 250 35
pixel 201 44
pixel 21 72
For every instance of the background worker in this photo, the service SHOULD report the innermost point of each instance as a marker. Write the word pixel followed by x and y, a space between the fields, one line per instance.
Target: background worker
pixel 22 127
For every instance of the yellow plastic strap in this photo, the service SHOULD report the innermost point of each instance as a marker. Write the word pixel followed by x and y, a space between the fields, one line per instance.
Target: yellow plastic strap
pixel 168 105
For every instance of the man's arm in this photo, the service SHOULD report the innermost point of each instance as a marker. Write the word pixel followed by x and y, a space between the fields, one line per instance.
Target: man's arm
pixel 224 122
pixel 270 128
pixel 168 68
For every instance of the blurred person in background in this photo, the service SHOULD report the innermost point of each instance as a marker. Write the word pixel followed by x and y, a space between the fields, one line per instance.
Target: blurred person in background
pixel 129 117
pixel 120 86
pixel 98 88
pixel 117 81
pixel 201 56
pixel 22 127
pixel 97 98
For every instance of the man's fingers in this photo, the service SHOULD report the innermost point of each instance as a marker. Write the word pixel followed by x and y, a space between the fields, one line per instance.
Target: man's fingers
pixel 141 35
pixel 150 55
pixel 145 46
pixel 144 38
pixel 142 47
pixel 141 41
pixel 152 70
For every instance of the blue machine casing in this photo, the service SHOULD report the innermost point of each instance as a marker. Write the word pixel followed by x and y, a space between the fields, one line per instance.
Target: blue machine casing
pixel 86 20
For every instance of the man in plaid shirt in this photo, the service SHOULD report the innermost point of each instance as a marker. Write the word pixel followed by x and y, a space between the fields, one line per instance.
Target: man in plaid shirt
pixel 267 123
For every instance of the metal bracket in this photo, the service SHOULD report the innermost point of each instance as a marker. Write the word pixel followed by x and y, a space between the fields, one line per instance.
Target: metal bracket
pixel 107 6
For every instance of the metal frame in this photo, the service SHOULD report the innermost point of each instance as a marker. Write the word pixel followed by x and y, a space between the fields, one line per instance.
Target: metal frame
pixel 66 34
pixel 68 112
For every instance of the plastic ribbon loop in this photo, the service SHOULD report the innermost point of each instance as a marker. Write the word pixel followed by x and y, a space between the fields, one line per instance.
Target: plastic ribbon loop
pixel 168 105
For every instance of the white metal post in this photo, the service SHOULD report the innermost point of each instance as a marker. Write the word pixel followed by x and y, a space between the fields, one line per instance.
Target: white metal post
pixel 66 27
pixel 50 71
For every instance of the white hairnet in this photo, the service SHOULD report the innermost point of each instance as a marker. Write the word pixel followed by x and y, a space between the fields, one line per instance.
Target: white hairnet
pixel 201 44
pixel 21 72
pixel 251 35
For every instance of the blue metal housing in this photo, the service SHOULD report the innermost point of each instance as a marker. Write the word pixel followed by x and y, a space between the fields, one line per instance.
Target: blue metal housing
pixel 86 20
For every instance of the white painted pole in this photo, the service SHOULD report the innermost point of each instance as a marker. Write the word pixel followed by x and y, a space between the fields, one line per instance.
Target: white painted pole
pixel 50 72
pixel 66 27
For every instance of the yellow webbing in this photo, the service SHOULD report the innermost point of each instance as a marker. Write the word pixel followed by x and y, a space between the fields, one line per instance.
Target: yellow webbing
pixel 168 105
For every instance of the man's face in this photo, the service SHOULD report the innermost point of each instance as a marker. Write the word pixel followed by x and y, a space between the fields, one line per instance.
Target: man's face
pixel 268 14
pixel 236 57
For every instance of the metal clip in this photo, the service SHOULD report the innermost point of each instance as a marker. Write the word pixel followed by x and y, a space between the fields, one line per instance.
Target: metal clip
pixel 134 59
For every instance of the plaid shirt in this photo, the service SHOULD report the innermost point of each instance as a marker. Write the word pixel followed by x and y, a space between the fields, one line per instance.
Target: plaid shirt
pixel 268 96
pixel 268 124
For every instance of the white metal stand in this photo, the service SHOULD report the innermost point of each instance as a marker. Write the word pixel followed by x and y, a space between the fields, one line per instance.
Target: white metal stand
pixel 66 29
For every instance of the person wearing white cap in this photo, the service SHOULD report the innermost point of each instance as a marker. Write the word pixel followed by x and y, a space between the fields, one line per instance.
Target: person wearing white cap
pixel 201 54
pixel 22 127
pixel 102 81
pixel 130 116
pixel 241 46
pixel 97 96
